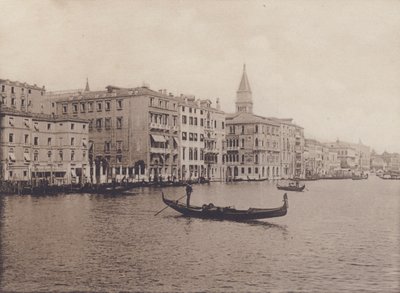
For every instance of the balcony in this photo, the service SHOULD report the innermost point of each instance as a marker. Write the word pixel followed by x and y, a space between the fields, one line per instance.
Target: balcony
pixel 210 161
pixel 232 148
pixel 166 151
pixel 154 125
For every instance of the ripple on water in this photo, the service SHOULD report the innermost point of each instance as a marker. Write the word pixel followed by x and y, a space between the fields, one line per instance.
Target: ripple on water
pixel 332 237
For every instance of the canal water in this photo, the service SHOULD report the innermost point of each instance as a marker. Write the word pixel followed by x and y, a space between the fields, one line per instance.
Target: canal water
pixel 339 235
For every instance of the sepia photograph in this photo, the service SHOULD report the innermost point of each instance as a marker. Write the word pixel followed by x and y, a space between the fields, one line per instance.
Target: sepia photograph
pixel 199 146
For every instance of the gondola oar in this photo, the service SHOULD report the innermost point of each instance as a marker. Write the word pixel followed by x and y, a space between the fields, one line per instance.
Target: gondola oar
pixel 168 206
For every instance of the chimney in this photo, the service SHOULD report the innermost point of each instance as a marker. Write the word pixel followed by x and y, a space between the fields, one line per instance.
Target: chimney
pixel 218 104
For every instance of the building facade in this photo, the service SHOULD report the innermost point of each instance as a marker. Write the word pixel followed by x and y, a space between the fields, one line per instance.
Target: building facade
pixel 352 156
pixel 39 147
pixel 22 96
pixel 292 148
pixel 202 134
pixel 133 132
pixel 252 141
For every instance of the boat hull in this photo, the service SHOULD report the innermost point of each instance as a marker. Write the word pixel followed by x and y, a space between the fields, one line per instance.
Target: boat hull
pixel 291 188
pixel 226 213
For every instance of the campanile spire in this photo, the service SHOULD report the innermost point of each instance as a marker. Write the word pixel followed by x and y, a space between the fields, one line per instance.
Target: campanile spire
pixel 244 99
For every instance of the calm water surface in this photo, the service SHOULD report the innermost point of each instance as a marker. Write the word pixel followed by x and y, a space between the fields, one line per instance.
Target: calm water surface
pixel 338 236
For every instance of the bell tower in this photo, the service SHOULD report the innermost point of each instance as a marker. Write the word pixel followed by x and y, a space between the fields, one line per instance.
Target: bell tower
pixel 244 100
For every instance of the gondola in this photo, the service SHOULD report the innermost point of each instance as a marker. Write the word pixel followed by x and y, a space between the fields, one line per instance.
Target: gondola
pixel 291 187
pixel 226 213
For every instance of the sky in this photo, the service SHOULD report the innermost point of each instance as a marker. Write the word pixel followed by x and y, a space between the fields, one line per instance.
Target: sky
pixel 332 66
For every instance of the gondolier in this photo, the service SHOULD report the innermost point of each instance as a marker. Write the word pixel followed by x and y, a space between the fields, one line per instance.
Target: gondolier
pixel 189 191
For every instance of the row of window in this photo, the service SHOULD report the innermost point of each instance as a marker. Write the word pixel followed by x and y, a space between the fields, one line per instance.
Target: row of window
pixel 194 121
pixel 269 130
pixel 162 119
pixel 234 158
pixel 273 171
pixel 235 143
pixel 192 136
pixel 193 110
pixel 36 127
pixel 11 139
pixel 3 90
pixel 88 107
pixel 108 145
pixel 106 123
pixel 49 155
pixel 161 103
pixel 192 154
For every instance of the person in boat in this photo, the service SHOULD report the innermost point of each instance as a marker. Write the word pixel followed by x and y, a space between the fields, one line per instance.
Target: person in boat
pixel 189 191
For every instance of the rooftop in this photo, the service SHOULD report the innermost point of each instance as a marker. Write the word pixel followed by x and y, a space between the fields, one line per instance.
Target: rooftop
pixel 39 116
pixel 248 118
pixel 21 84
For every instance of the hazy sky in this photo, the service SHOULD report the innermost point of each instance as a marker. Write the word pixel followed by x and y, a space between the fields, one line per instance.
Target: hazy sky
pixel 333 66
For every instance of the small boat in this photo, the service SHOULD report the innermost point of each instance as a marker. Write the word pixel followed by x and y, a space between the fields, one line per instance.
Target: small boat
pixel 291 187
pixel 114 190
pixel 226 213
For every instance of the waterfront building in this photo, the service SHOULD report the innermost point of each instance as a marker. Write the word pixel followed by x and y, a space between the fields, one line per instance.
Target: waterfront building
pixel 363 156
pixel 133 132
pixel 252 141
pixel 40 147
pixel 313 157
pixel 352 156
pixel 22 96
pixel 392 161
pixel 292 148
pixel 346 154
pixel 377 162
pixel 320 159
pixel 201 136
pixel 299 171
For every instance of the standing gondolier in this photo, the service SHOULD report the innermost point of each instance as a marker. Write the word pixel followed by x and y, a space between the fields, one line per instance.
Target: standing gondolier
pixel 189 191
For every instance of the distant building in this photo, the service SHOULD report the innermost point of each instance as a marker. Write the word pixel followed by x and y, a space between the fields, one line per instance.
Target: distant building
pixel 352 156
pixel 40 147
pixel 346 154
pixel 22 96
pixel 378 163
pixel 320 159
pixel 292 148
pixel 392 161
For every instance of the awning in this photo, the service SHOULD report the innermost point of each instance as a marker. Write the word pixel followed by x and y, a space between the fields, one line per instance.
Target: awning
pixel 11 157
pixel 73 174
pixel 27 157
pixel 84 144
pixel 90 146
pixel 158 138
pixel 176 140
